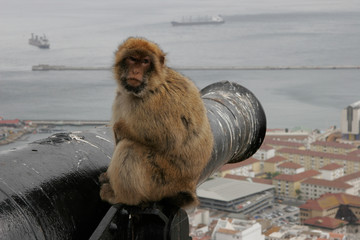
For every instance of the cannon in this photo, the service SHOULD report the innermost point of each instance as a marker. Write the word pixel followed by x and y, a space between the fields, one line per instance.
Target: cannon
pixel 49 189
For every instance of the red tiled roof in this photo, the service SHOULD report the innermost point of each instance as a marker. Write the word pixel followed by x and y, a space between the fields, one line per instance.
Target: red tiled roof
pixel 255 180
pixel 331 200
pixel 227 231
pixel 349 177
pixel 297 177
pixel 15 121
pixel 336 235
pixel 355 153
pixel 318 154
pixel 286 137
pixel 270 141
pixel 331 166
pixel 325 222
pixel 334 144
pixel 266 147
pixel 290 165
pixel 327 183
pixel 276 159
pixel 246 162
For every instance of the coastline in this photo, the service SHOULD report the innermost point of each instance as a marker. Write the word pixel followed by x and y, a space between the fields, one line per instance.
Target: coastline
pixel 46 67
pixel 14 134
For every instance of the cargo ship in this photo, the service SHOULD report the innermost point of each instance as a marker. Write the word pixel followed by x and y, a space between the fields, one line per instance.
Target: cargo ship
pixel 41 42
pixel 199 21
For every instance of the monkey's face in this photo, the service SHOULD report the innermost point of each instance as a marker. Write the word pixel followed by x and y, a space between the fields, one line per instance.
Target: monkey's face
pixel 139 65
pixel 136 71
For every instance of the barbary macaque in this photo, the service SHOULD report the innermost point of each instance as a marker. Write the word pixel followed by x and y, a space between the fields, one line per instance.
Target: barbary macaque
pixel 162 134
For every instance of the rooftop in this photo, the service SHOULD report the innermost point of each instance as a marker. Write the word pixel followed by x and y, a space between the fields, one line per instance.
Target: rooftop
pixel 255 180
pixel 290 165
pixel 334 144
pixel 319 154
pixel 325 222
pixel 327 183
pixel 331 166
pixel 276 159
pixel 225 189
pixel 246 162
pixel 331 200
pixel 349 177
pixel 297 177
pixel 355 104
pixel 271 141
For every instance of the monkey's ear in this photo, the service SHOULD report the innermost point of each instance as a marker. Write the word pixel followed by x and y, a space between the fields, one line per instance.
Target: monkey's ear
pixel 162 59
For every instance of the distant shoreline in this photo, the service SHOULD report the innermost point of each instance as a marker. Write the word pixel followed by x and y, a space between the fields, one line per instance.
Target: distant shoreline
pixel 45 67
pixel 70 122
pixel 45 126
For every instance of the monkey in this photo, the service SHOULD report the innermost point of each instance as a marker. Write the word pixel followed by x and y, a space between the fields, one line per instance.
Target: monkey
pixel 163 138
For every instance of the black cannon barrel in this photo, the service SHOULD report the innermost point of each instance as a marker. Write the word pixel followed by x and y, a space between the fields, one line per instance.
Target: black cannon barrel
pixel 238 123
pixel 49 189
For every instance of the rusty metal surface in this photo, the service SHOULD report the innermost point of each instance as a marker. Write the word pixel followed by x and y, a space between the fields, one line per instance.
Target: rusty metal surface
pixel 238 123
pixel 49 189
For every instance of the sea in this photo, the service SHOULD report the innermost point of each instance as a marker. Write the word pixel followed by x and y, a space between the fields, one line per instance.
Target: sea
pixel 261 33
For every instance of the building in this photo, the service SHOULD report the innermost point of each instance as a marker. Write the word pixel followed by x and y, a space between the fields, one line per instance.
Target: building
pixel 332 147
pixel 288 186
pixel 332 171
pixel 229 229
pixel 271 165
pixel 327 224
pixel 316 160
pixel 277 144
pixel 350 122
pixel 10 123
pixel 235 196
pixel 264 152
pixel 248 168
pixel 353 180
pixel 290 168
pixel 288 136
pixel 338 206
pixel 249 179
pixel 313 188
pixel 297 232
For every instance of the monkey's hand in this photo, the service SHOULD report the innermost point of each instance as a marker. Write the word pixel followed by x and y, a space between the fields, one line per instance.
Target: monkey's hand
pixel 103 178
pixel 120 131
pixel 107 193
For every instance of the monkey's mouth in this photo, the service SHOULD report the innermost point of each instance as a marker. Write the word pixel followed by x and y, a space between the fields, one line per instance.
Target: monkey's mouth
pixel 133 82
pixel 133 85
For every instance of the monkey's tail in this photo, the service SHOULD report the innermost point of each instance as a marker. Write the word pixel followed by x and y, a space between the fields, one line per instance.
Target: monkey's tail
pixel 182 199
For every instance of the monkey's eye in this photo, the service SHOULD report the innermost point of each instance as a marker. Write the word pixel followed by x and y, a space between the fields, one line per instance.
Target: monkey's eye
pixel 132 59
pixel 145 61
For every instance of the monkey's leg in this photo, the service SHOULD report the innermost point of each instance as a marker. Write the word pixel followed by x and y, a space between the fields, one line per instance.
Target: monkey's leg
pixel 128 174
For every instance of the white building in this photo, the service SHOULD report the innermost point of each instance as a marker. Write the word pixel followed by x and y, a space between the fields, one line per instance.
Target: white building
pixel 290 168
pixel 313 188
pixel 350 122
pixel 265 152
pixel 235 196
pixel 354 180
pixel 230 229
pixel 332 171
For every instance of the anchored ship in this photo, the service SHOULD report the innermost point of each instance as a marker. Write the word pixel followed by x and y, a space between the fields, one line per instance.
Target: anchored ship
pixel 199 21
pixel 41 42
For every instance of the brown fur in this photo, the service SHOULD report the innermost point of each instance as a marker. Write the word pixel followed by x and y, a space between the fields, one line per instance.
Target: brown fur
pixel 163 137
